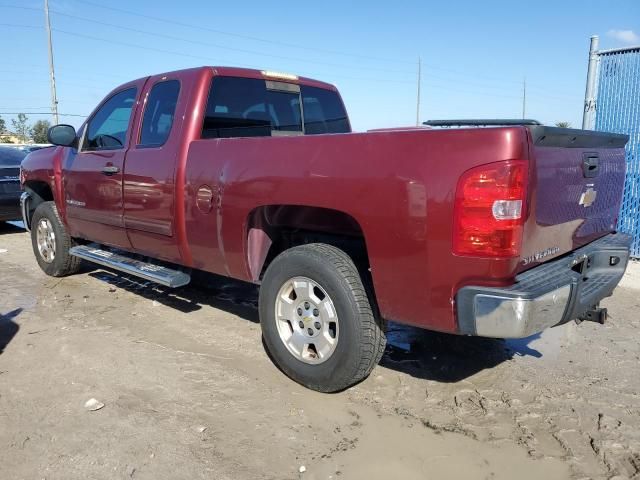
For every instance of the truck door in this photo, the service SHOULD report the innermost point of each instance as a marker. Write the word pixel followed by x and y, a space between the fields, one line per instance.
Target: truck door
pixel 93 176
pixel 150 169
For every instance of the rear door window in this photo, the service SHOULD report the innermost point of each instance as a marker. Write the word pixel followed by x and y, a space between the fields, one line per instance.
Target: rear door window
pixel 159 112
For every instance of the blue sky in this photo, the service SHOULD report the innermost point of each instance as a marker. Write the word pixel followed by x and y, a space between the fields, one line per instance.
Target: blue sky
pixel 475 54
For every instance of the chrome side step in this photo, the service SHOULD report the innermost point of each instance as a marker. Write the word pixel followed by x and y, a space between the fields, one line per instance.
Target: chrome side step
pixel 149 271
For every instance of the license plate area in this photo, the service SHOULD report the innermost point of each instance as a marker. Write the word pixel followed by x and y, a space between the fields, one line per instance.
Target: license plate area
pixel 581 265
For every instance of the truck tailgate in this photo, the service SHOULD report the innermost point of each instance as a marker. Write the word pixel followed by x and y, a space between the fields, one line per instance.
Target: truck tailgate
pixel 577 183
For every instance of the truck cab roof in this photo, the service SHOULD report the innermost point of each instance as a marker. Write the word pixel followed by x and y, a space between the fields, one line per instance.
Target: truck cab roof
pixel 222 71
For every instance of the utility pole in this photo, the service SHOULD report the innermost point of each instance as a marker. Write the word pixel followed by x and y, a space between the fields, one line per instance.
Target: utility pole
pixel 524 98
pixel 590 91
pixel 52 75
pixel 418 96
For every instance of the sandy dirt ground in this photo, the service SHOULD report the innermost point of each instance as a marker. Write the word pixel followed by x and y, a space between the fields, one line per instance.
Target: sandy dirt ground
pixel 189 392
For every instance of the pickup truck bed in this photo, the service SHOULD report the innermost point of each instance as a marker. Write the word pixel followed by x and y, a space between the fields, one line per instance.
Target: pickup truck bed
pixel 259 174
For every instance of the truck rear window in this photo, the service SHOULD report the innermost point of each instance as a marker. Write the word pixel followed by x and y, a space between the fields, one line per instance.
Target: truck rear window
pixel 323 111
pixel 247 107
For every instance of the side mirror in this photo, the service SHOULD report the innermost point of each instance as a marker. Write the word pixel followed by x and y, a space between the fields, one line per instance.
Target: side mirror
pixel 62 135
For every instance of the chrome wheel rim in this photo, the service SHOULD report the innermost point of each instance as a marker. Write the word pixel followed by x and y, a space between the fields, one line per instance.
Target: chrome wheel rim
pixel 307 320
pixel 46 240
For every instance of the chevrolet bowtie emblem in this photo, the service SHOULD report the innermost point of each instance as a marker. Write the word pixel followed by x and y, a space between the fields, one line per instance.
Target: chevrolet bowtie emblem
pixel 587 198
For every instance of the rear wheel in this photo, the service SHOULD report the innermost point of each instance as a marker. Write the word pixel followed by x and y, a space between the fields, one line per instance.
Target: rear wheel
pixel 51 242
pixel 317 321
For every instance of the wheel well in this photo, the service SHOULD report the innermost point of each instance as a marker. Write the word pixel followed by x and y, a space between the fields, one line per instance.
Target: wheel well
pixel 40 192
pixel 273 229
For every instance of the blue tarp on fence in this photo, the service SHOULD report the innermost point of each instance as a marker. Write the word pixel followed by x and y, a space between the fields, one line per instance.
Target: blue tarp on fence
pixel 618 110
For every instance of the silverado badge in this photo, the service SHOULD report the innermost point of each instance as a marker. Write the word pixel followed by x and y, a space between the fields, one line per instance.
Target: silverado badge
pixel 587 198
pixel 538 256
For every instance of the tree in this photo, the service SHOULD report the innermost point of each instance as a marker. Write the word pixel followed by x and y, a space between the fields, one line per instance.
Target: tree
pixel 3 125
pixel 21 127
pixel 39 131
pixel 563 124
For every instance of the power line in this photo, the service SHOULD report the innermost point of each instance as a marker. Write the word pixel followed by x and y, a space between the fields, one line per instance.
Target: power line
pixel 44 113
pixel 26 108
pixel 470 92
pixel 276 42
pixel 208 59
pixel 492 86
pixel 171 37
pixel 199 57
pixel 424 83
pixel 433 67
pixel 238 35
pixel 19 26
pixel 207 44
pixel 66 70
pixel 89 88
pixel 215 45
pixel 224 47
pixel 132 45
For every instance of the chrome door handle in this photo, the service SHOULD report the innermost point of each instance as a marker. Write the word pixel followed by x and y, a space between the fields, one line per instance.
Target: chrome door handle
pixel 110 170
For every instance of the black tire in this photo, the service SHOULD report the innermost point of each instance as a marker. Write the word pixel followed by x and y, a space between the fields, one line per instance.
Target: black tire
pixel 361 341
pixel 62 264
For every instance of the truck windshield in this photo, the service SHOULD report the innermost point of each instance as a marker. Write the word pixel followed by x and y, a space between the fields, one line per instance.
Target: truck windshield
pixel 247 107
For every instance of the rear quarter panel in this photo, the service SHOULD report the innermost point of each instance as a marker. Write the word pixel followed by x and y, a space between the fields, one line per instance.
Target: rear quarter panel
pixel 398 186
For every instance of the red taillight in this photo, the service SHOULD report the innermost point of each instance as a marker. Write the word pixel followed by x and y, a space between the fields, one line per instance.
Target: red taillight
pixel 489 210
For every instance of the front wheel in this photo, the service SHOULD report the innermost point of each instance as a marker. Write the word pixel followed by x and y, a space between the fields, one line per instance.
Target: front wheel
pixel 51 242
pixel 317 321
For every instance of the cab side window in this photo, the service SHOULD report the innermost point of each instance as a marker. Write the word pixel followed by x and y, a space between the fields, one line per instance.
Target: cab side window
pixel 247 107
pixel 159 112
pixel 107 130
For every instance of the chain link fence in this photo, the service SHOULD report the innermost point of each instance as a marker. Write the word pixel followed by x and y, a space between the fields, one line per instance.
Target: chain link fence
pixel 613 105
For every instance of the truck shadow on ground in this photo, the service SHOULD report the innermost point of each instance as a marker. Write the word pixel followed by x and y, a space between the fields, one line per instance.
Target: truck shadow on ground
pixel 8 328
pixel 233 296
pixel 448 358
pixel 420 353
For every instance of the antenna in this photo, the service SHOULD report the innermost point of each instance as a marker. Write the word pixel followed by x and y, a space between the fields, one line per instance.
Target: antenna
pixel 418 96
pixel 524 97
pixel 52 75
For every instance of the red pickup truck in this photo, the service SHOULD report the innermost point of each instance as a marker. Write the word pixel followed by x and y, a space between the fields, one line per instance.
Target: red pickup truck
pixel 499 231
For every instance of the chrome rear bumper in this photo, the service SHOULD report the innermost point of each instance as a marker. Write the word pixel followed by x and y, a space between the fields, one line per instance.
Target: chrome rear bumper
pixel 501 317
pixel 547 295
